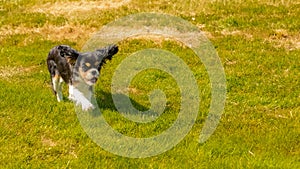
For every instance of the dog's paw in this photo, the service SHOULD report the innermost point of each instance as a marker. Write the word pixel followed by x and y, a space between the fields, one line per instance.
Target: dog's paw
pixel 80 100
pixel 86 106
pixel 71 97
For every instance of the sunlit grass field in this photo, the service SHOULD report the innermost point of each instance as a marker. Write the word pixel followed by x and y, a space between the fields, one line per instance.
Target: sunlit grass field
pixel 258 43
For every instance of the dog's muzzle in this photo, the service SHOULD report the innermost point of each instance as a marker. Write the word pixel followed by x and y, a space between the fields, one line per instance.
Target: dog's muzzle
pixel 92 76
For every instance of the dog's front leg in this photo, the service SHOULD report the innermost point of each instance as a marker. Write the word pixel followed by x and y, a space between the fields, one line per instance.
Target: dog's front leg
pixel 80 99
pixel 71 92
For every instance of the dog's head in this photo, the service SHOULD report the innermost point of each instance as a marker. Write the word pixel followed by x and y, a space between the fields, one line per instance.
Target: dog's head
pixel 89 64
pixel 69 53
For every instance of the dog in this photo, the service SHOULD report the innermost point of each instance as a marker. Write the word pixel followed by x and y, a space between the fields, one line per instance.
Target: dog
pixel 60 62
pixel 79 70
pixel 86 73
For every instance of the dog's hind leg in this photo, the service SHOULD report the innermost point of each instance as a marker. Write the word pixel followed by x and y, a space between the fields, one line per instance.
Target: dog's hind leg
pixel 57 87
pixel 52 67
pixel 59 94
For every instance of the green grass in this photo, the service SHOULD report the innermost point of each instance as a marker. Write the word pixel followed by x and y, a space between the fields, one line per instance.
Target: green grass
pixel 257 42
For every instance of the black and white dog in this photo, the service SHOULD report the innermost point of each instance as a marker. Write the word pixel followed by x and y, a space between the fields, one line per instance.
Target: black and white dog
pixel 84 74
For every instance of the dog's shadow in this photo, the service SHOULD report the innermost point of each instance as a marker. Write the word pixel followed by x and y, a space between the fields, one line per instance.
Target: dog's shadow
pixel 124 105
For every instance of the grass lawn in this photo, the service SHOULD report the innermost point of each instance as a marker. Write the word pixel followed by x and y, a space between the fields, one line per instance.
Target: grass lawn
pixel 258 42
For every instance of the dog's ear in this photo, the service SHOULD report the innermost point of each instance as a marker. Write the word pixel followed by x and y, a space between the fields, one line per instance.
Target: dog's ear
pixel 79 60
pixel 106 54
pixel 112 50
pixel 75 54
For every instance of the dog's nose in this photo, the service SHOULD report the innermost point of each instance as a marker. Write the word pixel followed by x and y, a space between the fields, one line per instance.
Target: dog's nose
pixel 94 72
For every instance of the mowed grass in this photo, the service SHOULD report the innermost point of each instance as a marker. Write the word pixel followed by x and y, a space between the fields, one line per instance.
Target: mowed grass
pixel 258 43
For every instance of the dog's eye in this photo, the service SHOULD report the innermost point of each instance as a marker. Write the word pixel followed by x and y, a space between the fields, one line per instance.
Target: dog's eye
pixel 87 64
pixel 97 64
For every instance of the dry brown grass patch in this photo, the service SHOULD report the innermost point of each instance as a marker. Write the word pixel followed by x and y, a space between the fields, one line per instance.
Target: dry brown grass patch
pixel 282 38
pixel 71 8
pixel 227 32
pixel 48 142
pixel 68 31
pixel 10 71
pixel 279 38
pixel 50 32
